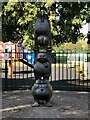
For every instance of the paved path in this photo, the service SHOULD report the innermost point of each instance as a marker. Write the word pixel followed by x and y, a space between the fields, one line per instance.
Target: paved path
pixel 18 104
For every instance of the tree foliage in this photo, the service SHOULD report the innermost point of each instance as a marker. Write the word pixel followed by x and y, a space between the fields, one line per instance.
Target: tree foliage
pixel 18 19
pixel 71 17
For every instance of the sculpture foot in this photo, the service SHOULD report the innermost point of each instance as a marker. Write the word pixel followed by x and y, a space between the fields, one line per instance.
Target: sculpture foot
pixel 35 104
pixel 41 102
pixel 48 104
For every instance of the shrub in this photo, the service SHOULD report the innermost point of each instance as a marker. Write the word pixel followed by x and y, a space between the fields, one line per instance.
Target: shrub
pixel 80 45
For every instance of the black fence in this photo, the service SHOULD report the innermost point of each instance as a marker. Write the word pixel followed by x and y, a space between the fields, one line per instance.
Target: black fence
pixel 69 71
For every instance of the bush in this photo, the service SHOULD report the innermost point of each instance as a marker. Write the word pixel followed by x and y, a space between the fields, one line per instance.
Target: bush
pixel 80 45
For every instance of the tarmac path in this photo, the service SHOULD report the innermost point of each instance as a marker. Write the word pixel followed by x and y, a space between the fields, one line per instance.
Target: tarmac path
pixel 66 104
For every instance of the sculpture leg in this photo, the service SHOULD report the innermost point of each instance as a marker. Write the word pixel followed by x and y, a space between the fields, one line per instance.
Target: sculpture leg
pixel 48 103
pixel 36 103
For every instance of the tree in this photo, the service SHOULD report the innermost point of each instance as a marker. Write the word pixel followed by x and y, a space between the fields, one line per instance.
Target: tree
pixel 18 20
pixel 71 17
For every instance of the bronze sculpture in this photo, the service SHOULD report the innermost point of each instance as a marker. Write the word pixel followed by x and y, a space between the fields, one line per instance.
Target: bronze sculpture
pixel 42 89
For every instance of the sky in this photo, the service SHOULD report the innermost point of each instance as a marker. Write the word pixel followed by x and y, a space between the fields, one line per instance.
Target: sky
pixel 84 30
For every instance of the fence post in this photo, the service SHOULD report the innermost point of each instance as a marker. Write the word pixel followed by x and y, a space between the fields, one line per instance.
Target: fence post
pixel 6 71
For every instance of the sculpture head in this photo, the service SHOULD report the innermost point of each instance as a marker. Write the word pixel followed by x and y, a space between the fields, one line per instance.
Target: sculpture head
pixel 42 57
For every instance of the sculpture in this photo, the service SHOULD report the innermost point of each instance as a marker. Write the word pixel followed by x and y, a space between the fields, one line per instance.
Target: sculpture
pixel 42 89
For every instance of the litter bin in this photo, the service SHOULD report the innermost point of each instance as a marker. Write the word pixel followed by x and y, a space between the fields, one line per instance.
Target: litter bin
pixel 28 56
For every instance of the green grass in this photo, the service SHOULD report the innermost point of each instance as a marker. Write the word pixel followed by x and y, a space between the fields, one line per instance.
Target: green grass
pixel 80 45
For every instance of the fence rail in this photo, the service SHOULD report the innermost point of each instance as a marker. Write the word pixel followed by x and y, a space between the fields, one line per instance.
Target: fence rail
pixel 69 71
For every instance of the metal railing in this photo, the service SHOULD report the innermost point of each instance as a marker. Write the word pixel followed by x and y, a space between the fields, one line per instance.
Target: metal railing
pixel 69 70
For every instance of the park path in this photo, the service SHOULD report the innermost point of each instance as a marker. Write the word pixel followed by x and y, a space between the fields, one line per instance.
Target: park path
pixel 66 104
